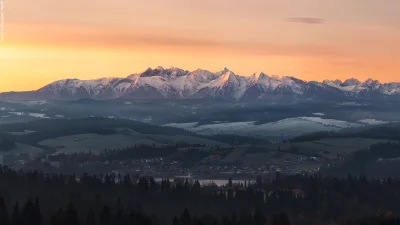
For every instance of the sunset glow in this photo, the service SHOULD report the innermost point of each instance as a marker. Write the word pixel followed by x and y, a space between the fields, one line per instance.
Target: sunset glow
pixel 47 40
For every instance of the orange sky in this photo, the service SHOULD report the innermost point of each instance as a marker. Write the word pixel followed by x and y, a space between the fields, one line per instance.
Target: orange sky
pixel 46 40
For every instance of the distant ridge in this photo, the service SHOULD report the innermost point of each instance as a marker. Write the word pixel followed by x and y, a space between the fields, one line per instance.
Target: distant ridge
pixel 177 83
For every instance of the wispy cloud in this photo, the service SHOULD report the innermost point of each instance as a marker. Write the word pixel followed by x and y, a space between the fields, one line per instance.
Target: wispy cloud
pixel 162 40
pixel 307 20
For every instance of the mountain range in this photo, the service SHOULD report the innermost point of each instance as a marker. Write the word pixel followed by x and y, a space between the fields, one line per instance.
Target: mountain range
pixel 177 83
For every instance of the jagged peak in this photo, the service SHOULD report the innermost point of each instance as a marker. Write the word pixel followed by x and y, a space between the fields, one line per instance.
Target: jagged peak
pixel 370 82
pixel 338 81
pixel 222 70
pixel 133 76
pixel 199 70
pixel 276 77
pixel 297 80
pixel 228 74
pixel 259 75
pixel 327 81
pixel 333 82
pixel 351 82
pixel 186 83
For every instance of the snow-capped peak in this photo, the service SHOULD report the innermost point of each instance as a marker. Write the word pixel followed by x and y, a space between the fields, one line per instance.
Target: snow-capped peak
pixel 351 82
pixel 202 75
pixel 226 77
pixel 222 71
pixel 336 82
pixel 259 75
pixel 369 82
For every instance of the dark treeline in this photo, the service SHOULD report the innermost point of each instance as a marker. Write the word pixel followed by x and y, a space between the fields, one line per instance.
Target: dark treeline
pixel 389 131
pixel 385 150
pixel 238 139
pixel 123 199
pixel 184 152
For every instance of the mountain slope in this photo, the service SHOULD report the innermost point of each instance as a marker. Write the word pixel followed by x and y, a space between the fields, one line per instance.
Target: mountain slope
pixel 224 84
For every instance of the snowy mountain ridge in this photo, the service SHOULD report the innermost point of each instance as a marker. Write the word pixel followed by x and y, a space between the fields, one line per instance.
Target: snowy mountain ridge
pixel 178 83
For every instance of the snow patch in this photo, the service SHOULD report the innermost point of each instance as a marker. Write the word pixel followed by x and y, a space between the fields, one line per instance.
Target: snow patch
pixel 372 122
pixel 290 127
pixel 182 125
pixel 39 115
pixel 17 113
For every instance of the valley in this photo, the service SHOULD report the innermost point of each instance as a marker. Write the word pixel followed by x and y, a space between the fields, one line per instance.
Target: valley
pixel 210 138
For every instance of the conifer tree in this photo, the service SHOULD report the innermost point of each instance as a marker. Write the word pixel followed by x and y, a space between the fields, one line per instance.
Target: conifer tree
pixel 16 215
pixel 71 216
pixel 105 217
pixel 175 221
pixel 90 219
pixel 185 218
pixel 4 219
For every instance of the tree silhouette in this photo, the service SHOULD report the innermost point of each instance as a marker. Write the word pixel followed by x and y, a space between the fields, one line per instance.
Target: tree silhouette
pixel 90 219
pixel 71 216
pixel 4 219
pixel 175 221
pixel 105 217
pixel 185 218
pixel 16 215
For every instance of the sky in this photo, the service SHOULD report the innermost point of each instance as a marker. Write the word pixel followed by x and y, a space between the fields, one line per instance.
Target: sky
pixel 48 40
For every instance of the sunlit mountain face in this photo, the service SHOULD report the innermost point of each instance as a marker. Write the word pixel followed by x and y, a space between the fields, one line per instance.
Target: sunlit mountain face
pixel 177 83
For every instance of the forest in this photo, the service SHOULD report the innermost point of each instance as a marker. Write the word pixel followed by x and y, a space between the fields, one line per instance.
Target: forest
pixel 380 160
pixel 390 131
pixel 34 198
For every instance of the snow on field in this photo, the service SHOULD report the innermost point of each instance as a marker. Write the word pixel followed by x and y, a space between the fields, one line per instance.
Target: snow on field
pixel 330 122
pixel 41 102
pixel 289 127
pixel 18 113
pixel 21 133
pixel 372 121
pixel 182 125
pixel 39 115
pixel 349 104
pixel 30 103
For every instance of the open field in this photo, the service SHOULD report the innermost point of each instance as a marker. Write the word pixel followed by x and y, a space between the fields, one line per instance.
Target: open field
pixel 21 149
pixel 290 127
pixel 97 143
pixel 93 142
pixel 234 155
